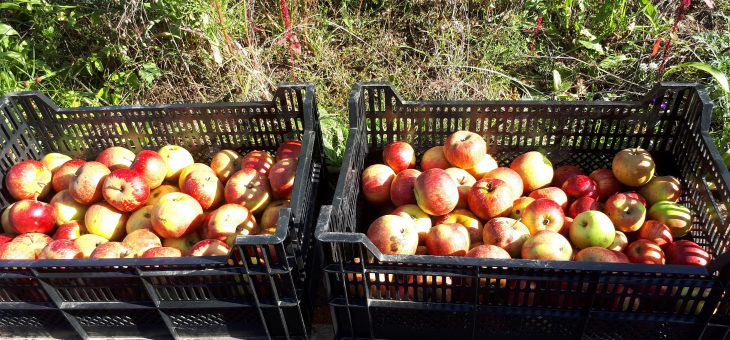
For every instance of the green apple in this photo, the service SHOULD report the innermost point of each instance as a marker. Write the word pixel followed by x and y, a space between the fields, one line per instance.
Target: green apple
pixel 675 216
pixel 592 229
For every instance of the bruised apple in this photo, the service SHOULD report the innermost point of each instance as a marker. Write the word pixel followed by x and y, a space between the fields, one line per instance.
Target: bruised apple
pixel 394 234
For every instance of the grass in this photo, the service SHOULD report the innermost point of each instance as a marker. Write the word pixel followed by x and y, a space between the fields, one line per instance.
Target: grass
pixel 165 51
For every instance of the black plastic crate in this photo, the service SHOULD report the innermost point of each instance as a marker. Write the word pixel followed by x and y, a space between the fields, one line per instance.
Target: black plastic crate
pixel 372 295
pixel 263 288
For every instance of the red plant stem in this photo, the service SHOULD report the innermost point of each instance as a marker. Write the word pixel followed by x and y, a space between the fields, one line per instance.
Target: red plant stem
pixel 534 33
pixel 680 16
pixel 287 24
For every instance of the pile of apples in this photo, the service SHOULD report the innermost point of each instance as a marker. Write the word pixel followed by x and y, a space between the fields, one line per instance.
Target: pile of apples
pixel 461 203
pixel 152 204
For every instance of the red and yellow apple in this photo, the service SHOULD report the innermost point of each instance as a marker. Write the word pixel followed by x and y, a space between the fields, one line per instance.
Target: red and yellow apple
pixel 436 192
pixel 5 221
pixel 488 252
pixel 376 182
pixel 88 242
pixel 63 176
pixel 176 159
pixel 106 221
pixel 394 234
pixel 140 240
pixel 434 158
pixel 209 248
pixel 399 156
pixel 509 176
pixel 139 219
pixel 270 216
pixel 205 187
pixel 28 180
pixel 288 149
pixel 161 252
pixel 61 249
pixel 552 193
pixel 655 231
pixel 225 164
pixel 543 214
pixel 175 215
pixel 465 149
pixel 66 209
pixel 189 169
pixel 87 184
pixel 606 182
pixel 506 233
pixel 582 204
pixel 686 253
pixel 261 161
pixel 70 231
pixel 125 189
pixel 450 239
pixel 29 216
pixel 490 198
pixel 160 191
pixel 519 205
pixel 563 172
pixel 281 178
pixel 34 241
pixel 401 189
pixel 600 254
pixel 151 166
pixel 52 161
pixel 421 221
pixel 230 219
pixel 661 188
pixel 466 219
pixel 645 251
pixel 111 250
pixel 16 251
pixel 249 188
pixel 486 165
pixel 183 244
pixel 535 169
pixel 464 181
pixel 116 158
pixel 633 167
pixel 547 245
pixel 626 213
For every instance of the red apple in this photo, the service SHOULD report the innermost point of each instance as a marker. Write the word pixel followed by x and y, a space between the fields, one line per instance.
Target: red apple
pixel 111 250
pixel 662 188
pixel 687 253
pixel 465 181
pixel 592 229
pixel 563 172
pixel 401 189
pixel 547 245
pixel 552 193
pixel 126 190
pixel 116 157
pixel 176 159
pixel 636 195
pixel 70 231
pixel 28 216
pixel 509 176
pixel 249 188
pixel 465 149
pixel 54 160
pixel 626 213
pixel 161 252
pixel 490 198
pixel 61 249
pixel 535 170
pixel 582 204
pixel 488 252
pixel 518 207
pixel 66 209
pixel 645 251
pixel 434 158
pixel 189 169
pixel 633 167
pixel 580 186
pixel 225 163
pixel 655 231
pixel 599 254
pixel 281 178
pixel 151 166
pixel 270 217
pixel 259 160
pixel 205 187
pixel 506 233
pixel 34 241
pixel 288 149
pixel 606 182
pixel 16 251
pixel 106 221
pixel 543 214
pixel 230 219
pixel 5 238
pixel 63 176
pixel 141 240
pixel 421 220
pixel 209 248
pixel 436 192
pixel 376 182
pixel 87 184
pixel 175 214
pixel 28 180
pixel 466 219
pixel 451 239
pixel 486 165
pixel 394 234
pixel 399 156
pixel 620 241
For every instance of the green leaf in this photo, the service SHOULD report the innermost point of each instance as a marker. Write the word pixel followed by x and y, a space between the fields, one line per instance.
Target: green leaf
pixel 149 73
pixel 557 80
pixel 10 55
pixel 7 30
pixel 9 5
pixel 592 46
pixel 612 61
pixel 720 77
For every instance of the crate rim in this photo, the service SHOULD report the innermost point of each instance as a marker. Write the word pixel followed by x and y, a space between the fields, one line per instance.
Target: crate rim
pixel 285 215
pixel 356 126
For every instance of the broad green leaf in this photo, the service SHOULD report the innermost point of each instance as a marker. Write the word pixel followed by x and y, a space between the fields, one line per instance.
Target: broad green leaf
pixel 592 46
pixel 720 77
pixel 9 5
pixel 612 61
pixel 7 30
